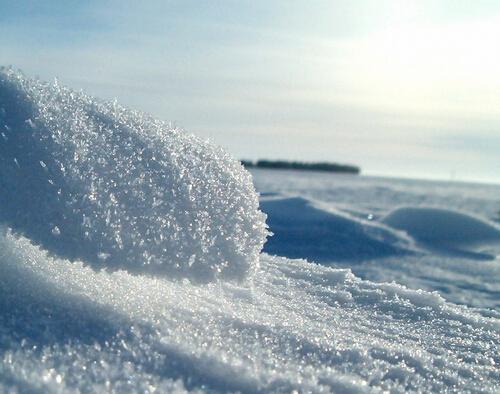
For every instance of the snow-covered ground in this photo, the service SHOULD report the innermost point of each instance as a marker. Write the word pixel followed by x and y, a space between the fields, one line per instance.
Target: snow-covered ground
pixel 129 263
pixel 438 236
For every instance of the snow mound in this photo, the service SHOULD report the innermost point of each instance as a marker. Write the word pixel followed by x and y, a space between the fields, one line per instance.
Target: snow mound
pixel 300 327
pixel 437 225
pixel 306 229
pixel 93 181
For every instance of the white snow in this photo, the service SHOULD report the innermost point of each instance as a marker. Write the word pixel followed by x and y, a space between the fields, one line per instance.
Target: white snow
pixel 338 220
pixel 444 226
pixel 87 178
pixel 300 326
pixel 97 185
pixel 308 229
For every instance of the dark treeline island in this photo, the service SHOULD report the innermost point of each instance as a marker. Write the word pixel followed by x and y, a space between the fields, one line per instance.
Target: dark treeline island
pixel 298 165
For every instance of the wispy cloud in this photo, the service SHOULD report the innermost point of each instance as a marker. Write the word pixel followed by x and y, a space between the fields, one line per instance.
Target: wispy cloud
pixel 370 82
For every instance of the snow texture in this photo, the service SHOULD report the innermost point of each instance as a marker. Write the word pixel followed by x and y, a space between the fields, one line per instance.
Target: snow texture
pixel 301 326
pixel 93 181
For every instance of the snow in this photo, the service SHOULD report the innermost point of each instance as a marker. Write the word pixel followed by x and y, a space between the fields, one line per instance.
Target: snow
pixel 80 314
pixel 443 226
pixel 93 181
pixel 299 327
pixel 305 229
pixel 344 219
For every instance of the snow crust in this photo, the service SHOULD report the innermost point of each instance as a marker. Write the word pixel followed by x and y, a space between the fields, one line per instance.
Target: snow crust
pixel 301 326
pixel 93 181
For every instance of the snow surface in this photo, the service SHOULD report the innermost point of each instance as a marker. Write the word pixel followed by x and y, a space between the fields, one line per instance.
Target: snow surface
pixel 442 226
pixel 300 326
pixel 450 244
pixel 306 229
pixel 93 181
pixel 295 326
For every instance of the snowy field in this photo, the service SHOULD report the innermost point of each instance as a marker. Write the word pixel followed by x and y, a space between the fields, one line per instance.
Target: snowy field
pixel 130 261
pixel 437 236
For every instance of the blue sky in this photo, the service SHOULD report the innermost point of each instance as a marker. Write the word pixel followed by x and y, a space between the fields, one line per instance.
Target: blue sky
pixel 402 88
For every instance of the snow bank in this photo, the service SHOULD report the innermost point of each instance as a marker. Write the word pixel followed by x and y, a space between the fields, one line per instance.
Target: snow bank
pixel 301 326
pixel 305 229
pixel 437 225
pixel 94 181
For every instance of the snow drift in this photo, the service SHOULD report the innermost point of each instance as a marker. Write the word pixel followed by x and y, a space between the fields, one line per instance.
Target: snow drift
pixel 336 220
pixel 305 229
pixel 442 225
pixel 447 231
pixel 300 327
pixel 93 181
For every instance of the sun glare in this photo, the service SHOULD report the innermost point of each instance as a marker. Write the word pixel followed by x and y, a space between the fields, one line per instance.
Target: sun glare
pixel 430 67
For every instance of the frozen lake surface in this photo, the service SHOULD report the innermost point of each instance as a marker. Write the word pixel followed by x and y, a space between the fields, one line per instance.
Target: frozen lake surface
pixel 130 262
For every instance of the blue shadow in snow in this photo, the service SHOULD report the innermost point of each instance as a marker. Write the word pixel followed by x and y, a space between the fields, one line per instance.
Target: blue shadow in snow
pixel 304 231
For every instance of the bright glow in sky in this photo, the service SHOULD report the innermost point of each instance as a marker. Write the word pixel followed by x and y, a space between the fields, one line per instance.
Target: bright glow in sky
pixel 404 88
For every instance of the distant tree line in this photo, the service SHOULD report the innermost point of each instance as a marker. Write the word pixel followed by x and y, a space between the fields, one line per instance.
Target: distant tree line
pixel 298 165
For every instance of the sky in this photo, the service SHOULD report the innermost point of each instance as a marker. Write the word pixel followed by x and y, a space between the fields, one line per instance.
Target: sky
pixel 407 88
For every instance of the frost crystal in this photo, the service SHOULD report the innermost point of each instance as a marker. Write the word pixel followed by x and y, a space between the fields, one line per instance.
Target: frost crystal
pixel 87 178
